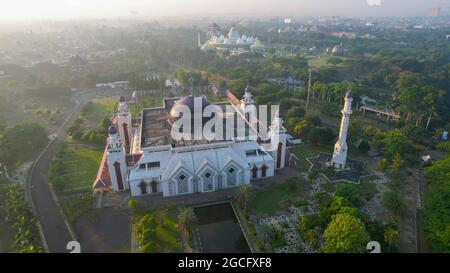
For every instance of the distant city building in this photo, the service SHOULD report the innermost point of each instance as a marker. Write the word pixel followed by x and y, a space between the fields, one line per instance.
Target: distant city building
pixel 288 20
pixel 122 84
pixel 435 12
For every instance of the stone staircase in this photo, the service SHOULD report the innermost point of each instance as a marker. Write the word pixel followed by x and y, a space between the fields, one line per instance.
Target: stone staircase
pixel 112 199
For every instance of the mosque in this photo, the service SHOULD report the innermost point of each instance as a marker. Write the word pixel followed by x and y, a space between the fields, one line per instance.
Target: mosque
pixel 142 156
pixel 233 40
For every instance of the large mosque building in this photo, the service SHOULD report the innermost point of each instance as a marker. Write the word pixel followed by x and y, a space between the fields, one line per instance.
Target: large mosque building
pixel 143 157
pixel 233 40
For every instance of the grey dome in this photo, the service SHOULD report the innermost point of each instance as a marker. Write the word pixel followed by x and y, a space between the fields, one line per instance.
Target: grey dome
pixel 189 102
pixel 112 130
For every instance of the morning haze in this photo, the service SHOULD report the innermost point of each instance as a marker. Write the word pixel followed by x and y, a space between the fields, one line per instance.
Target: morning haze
pixel 82 9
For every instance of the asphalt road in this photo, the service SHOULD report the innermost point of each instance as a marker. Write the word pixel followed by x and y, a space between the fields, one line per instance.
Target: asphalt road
pixel 54 227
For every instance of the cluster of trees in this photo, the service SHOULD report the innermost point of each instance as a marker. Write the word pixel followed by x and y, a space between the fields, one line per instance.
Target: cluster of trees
pixel 188 78
pixel 78 132
pixel 20 142
pixel 396 145
pixel 343 228
pixel 12 198
pixel 146 82
pixel 309 129
pixel 150 223
pixel 146 234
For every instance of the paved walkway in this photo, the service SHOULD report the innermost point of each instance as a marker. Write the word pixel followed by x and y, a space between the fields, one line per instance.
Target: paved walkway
pixel 105 230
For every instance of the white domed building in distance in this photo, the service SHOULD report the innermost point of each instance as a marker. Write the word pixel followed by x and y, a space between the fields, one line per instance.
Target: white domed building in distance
pixel 233 41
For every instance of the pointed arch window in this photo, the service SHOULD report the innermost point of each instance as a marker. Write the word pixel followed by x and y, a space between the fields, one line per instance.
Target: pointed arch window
pixel 143 187
pixel 264 171
pixel 255 172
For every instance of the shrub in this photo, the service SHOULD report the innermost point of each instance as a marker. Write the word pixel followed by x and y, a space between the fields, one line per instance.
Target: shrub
pixel 393 202
pixel 364 147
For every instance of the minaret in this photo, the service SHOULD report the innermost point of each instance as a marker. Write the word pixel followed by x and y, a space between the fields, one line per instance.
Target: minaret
pixel 277 135
pixel 116 161
pixel 339 159
pixel 124 122
pixel 247 99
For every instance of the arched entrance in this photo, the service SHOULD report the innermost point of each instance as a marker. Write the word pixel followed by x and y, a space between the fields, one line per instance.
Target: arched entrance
pixel 143 187
pixel 255 172
pixel 264 171
pixel 154 186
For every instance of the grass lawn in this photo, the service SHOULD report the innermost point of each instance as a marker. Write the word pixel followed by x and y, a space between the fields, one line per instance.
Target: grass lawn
pixel 100 108
pixel 303 152
pixel 268 200
pixel 81 168
pixel 75 206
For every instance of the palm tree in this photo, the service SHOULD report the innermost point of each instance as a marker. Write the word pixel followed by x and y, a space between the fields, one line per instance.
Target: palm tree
pixel 186 218
pixel 242 196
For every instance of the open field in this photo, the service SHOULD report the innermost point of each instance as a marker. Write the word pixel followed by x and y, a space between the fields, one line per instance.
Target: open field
pixel 323 61
pixel 100 108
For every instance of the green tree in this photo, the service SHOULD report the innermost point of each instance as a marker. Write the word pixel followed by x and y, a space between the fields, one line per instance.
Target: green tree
pixel 186 218
pixel 345 234
pixel 181 77
pixel 302 128
pixel 355 132
pixel 242 197
pixel 364 147
pixel 295 112
pixel 351 193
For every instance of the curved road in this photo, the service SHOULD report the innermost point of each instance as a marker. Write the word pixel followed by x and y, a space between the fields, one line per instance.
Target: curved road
pixel 55 231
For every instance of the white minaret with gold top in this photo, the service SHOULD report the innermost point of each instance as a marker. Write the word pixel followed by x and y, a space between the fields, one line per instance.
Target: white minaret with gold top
pixel 339 159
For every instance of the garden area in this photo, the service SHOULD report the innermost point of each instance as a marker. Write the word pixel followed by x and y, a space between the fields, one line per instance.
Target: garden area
pixel 157 230
pixel 309 214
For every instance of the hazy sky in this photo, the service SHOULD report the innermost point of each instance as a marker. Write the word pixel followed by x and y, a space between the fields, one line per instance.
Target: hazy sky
pixel 71 9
